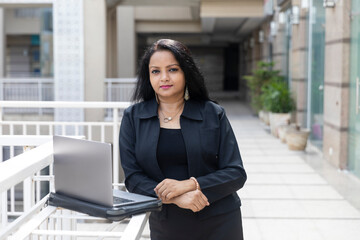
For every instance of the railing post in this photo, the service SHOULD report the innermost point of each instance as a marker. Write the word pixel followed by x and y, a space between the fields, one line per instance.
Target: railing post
pixel 108 95
pixel 1 89
pixel 3 199
pixel 109 86
pixel 1 126
pixel 28 194
pixel 40 95
pixel 67 224
pixel 4 209
pixel 28 189
pixel 115 146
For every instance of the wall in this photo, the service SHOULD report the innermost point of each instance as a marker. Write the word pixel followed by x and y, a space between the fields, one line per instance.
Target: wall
pixel 21 25
pixel 298 67
pixel 336 83
pixel 211 64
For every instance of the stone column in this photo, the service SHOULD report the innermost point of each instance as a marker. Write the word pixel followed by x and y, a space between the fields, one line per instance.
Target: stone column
pixel 266 43
pixel 126 41
pixel 68 23
pixel 279 54
pixel 336 84
pixel 94 55
pixel 298 65
pixel 2 46
pixel 256 50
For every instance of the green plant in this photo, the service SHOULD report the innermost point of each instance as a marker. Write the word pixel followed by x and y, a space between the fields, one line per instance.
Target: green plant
pixel 277 98
pixel 260 77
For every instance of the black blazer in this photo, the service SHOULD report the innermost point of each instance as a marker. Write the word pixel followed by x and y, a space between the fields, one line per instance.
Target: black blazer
pixel 212 152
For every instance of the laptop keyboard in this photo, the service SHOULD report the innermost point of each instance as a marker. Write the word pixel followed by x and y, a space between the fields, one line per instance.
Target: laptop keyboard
pixel 118 200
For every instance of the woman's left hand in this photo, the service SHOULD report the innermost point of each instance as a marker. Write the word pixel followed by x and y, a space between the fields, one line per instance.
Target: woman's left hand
pixel 170 188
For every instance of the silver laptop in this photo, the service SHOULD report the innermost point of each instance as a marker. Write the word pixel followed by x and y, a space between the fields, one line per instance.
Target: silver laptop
pixel 83 170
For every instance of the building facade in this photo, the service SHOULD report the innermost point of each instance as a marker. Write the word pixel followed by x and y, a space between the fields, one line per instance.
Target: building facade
pixel 78 44
pixel 316 46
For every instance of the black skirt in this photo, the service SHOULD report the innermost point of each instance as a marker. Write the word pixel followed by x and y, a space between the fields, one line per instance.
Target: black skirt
pixel 174 223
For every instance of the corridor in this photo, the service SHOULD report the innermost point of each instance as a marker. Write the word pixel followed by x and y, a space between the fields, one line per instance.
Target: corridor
pixel 291 195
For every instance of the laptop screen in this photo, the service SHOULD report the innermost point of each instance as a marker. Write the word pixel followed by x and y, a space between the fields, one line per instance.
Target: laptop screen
pixel 83 169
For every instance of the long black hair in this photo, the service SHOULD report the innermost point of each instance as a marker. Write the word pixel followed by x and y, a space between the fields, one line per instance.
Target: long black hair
pixel 194 80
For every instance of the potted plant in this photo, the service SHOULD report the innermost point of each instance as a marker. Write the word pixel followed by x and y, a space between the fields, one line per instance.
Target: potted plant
pixel 282 130
pixel 296 138
pixel 277 99
pixel 260 77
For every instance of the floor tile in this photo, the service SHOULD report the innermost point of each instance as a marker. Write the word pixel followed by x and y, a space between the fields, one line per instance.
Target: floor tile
pixel 277 168
pixel 339 229
pixel 285 178
pixel 289 229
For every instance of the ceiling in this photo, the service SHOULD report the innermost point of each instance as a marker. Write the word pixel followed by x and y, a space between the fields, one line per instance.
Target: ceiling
pixel 215 22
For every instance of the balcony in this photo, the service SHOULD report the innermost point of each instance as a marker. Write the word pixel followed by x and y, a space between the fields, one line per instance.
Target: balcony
pixel 26 178
pixel 285 189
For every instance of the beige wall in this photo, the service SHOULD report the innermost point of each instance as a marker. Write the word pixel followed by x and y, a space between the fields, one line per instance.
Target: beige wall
pixel 279 47
pixel 232 8
pixel 111 45
pixel 94 37
pixel 14 25
pixel 336 83
pixel 265 44
pixel 126 39
pixel 2 42
pixel 298 65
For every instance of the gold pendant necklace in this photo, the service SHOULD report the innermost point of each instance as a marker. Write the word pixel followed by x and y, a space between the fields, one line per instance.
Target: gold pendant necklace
pixel 168 119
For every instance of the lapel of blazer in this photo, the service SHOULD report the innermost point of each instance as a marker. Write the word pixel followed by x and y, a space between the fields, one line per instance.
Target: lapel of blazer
pixel 149 132
pixel 152 142
pixel 190 122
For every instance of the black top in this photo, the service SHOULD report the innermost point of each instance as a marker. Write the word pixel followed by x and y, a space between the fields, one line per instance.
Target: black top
pixel 171 154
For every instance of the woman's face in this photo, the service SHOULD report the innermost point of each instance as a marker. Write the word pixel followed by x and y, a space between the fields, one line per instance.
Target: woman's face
pixel 166 77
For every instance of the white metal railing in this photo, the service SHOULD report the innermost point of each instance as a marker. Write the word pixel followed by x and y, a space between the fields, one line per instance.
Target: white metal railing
pixel 21 169
pixel 26 198
pixel 41 220
pixel 119 89
pixel 42 89
pixel 32 89
pixel 51 127
pixel 27 89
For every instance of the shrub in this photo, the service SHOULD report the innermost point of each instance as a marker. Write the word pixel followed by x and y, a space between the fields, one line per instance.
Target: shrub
pixel 276 97
pixel 261 76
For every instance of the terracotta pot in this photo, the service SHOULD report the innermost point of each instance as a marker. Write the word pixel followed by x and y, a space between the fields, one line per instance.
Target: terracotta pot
pixel 261 115
pixel 297 139
pixel 266 118
pixel 277 119
pixel 282 130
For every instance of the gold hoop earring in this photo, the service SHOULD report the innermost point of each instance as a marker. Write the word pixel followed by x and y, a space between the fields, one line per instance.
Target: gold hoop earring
pixel 157 99
pixel 186 94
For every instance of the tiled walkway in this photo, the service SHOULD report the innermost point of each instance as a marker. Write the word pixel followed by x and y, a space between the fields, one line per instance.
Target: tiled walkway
pixel 291 195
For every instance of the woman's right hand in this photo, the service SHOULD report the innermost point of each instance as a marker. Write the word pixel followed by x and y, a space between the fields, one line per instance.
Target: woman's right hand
pixel 193 200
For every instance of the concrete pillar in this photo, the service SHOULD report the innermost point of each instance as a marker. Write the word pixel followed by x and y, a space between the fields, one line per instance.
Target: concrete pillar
pixel 298 65
pixel 126 42
pixel 111 46
pixel 2 42
pixel 256 49
pixel 279 53
pixel 2 53
pixel 68 20
pixel 266 43
pixel 336 83
pixel 94 55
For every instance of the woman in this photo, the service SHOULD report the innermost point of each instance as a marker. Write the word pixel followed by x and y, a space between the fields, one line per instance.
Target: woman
pixel 177 145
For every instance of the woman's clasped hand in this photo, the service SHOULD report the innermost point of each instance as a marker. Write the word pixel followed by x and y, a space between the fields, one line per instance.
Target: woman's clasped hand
pixel 184 194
